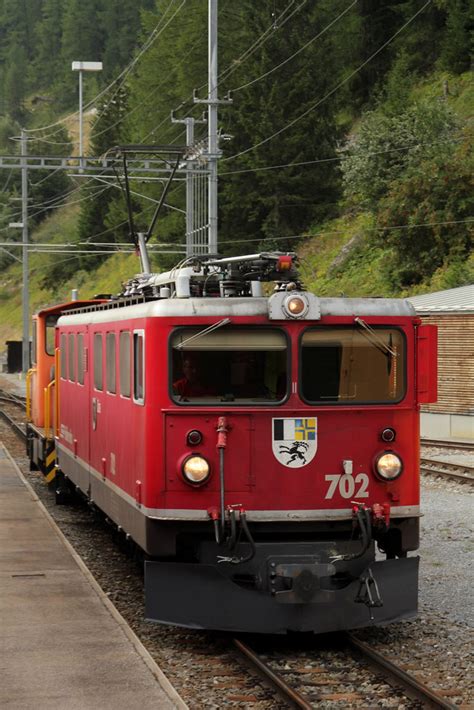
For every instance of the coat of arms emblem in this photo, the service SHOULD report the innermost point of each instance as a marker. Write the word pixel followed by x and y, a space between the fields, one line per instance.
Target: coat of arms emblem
pixel 295 441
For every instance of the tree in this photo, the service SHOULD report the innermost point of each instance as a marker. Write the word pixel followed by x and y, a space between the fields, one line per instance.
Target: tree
pixel 387 146
pixel 439 196
pixel 269 205
pixel 456 50
pixel 48 63
pixel 82 40
pixel 15 84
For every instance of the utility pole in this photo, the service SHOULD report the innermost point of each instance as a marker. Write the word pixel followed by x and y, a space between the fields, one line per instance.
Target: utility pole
pixel 82 67
pixel 191 226
pixel 212 101
pixel 212 126
pixel 189 121
pixel 24 219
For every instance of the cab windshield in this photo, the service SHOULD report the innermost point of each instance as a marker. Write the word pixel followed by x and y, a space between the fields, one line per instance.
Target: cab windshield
pixel 353 365
pixel 229 364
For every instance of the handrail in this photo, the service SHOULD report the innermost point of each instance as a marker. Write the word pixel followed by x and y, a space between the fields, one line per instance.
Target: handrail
pixel 47 409
pixel 56 390
pixel 29 375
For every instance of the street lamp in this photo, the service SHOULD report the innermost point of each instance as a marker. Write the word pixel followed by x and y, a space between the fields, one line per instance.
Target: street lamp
pixel 81 67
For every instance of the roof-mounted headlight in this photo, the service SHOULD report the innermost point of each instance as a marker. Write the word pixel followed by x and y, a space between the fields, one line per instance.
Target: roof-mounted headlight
pixel 296 306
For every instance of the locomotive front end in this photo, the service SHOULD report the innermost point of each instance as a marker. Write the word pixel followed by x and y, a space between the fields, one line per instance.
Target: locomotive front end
pixel 291 459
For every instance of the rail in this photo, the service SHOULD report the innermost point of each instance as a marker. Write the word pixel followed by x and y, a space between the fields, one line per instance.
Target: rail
pixel 19 431
pixel 437 467
pixel 392 674
pixel 448 444
pixel 411 685
pixel 288 693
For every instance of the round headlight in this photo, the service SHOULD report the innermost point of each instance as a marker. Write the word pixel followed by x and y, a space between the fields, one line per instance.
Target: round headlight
pixel 296 306
pixel 196 470
pixel 389 466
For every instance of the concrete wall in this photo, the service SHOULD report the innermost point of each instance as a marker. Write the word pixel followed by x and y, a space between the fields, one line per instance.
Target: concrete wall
pixel 447 426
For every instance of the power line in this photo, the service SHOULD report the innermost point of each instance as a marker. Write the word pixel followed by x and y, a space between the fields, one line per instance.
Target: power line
pixel 277 23
pixel 387 228
pixel 301 49
pixel 339 158
pixel 147 44
pixel 330 93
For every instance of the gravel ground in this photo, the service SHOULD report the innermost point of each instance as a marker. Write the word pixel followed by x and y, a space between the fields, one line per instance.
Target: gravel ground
pixel 447 548
pixel 437 646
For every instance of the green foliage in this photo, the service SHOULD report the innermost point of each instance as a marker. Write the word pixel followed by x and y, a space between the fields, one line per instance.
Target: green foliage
pixel 268 205
pixel 439 195
pixel 389 146
pixel 14 85
pixel 456 50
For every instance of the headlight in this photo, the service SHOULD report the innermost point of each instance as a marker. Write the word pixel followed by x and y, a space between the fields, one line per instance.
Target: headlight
pixel 296 306
pixel 196 470
pixel 388 466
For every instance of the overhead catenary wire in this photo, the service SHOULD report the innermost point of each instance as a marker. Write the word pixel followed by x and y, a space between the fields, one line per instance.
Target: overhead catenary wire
pixel 153 36
pixel 332 91
pixel 235 64
pixel 339 158
pixel 298 51
pixel 386 228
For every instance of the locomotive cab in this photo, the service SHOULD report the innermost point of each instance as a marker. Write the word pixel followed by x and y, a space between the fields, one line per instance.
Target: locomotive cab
pixel 41 389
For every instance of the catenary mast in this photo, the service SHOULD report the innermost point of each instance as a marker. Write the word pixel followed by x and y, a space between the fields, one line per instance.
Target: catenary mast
pixel 213 149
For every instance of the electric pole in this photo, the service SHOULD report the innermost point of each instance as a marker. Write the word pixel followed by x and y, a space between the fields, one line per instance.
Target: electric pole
pixel 24 219
pixel 192 225
pixel 212 126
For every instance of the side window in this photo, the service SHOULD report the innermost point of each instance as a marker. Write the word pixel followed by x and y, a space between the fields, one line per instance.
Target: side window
pixel 34 342
pixel 124 357
pixel 80 359
pixel 98 384
pixel 138 366
pixel 110 376
pixel 50 326
pixel 71 359
pixel 63 356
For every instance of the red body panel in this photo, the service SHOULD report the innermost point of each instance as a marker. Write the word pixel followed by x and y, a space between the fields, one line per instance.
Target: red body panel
pixel 140 447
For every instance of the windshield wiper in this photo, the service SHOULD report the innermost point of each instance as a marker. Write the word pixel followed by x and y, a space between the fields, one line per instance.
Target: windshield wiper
pixel 206 331
pixel 375 340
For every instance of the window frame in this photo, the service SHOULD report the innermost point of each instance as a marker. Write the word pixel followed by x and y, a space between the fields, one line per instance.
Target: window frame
pixel 63 354
pixel 249 404
pixel 80 359
pixel 138 333
pixel 121 394
pixel 71 357
pixel 47 329
pixel 111 334
pixel 96 334
pixel 352 403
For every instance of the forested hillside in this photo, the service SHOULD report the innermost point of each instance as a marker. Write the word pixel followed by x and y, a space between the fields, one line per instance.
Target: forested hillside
pixel 348 139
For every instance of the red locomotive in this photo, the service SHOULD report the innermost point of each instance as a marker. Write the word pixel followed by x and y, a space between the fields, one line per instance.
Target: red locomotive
pixel 258 449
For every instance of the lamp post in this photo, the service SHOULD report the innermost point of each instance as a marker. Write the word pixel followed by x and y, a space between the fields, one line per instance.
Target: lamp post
pixel 82 67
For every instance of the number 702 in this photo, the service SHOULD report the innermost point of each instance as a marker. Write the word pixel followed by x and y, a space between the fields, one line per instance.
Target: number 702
pixel 346 484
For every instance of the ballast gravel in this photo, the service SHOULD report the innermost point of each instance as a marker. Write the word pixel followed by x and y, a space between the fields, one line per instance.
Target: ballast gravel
pixel 436 647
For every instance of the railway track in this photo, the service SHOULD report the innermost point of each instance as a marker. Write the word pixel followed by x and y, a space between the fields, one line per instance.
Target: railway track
pixel 19 429
pixel 317 685
pixel 455 471
pixel 443 444
pixel 314 676
pixel 9 398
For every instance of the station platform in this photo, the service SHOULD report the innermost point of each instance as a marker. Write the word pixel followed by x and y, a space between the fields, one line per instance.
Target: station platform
pixel 62 642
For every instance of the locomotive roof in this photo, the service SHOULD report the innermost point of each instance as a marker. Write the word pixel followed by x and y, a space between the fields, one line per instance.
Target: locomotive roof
pixel 245 306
